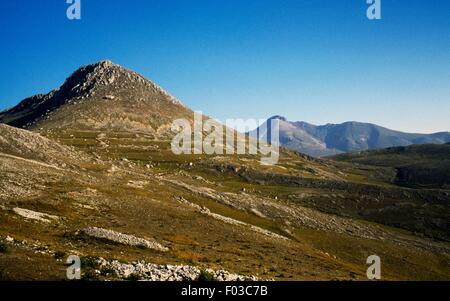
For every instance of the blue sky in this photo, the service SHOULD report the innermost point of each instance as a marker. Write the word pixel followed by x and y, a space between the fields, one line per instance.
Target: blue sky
pixel 321 61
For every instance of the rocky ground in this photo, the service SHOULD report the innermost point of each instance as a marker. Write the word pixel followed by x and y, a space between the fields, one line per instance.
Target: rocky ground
pixel 145 271
pixel 153 220
pixel 95 177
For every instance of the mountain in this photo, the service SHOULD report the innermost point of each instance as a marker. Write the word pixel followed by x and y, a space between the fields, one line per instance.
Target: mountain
pixel 100 96
pixel 88 170
pixel 425 165
pixel 331 139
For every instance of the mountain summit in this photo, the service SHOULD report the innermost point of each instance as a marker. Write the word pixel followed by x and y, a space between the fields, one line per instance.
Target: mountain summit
pixel 331 139
pixel 100 96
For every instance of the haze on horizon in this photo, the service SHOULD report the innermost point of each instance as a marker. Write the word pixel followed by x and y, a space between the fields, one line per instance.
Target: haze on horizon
pixel 314 61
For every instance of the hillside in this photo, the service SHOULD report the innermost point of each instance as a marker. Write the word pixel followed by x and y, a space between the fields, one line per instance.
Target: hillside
pixel 107 187
pixel 425 165
pixel 331 139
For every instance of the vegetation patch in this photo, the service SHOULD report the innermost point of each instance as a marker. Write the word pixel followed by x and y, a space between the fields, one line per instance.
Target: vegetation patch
pixel 3 247
pixel 206 276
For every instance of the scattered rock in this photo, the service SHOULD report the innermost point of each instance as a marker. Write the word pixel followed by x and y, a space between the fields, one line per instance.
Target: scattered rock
pixel 43 217
pixel 124 239
pixel 141 270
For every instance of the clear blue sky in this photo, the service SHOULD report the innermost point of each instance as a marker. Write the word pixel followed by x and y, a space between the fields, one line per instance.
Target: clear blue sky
pixel 320 61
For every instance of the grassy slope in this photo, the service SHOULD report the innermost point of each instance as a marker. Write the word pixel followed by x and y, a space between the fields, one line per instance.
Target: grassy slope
pixel 416 166
pixel 153 211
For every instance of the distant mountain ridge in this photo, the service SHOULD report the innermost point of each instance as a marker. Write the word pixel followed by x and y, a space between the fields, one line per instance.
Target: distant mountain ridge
pixel 332 139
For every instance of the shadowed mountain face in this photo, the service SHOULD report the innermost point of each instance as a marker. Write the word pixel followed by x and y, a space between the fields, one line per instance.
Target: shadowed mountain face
pixel 100 96
pixel 333 139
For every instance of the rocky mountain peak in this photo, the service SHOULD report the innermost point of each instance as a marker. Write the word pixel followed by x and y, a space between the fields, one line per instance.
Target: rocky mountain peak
pixel 103 73
pixel 96 94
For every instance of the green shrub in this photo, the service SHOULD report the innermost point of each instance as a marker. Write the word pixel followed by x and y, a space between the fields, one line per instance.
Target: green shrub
pixel 3 247
pixel 59 255
pixel 107 271
pixel 90 275
pixel 89 262
pixel 134 277
pixel 206 276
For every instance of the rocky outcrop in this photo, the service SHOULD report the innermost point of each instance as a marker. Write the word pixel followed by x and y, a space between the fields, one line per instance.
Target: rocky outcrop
pixel 29 214
pixel 141 270
pixel 124 239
